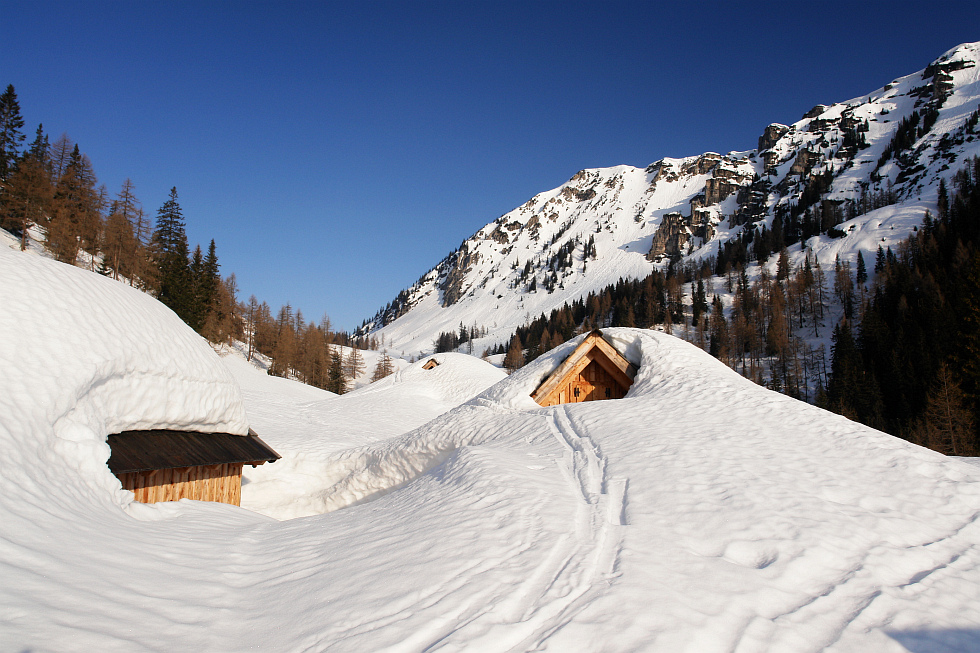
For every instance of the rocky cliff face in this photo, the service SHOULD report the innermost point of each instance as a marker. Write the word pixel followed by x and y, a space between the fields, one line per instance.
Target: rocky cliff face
pixel 624 221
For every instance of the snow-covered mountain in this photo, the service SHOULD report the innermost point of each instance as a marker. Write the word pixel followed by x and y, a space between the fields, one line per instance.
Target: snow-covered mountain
pixel 867 169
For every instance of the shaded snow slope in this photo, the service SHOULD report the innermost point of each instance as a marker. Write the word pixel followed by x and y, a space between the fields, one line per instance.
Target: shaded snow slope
pixel 700 513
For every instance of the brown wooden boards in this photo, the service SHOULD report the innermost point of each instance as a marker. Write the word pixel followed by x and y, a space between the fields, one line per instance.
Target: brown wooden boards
pixel 593 372
pixel 165 465
pixel 204 483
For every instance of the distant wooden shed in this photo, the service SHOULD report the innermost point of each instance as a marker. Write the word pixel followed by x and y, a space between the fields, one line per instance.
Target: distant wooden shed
pixel 164 465
pixel 429 364
pixel 593 372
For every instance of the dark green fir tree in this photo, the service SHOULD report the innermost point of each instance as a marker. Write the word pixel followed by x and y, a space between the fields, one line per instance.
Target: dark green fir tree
pixel 174 272
pixel 11 136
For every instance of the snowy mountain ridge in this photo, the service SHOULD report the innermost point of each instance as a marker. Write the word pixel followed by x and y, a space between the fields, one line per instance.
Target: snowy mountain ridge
pixel 848 177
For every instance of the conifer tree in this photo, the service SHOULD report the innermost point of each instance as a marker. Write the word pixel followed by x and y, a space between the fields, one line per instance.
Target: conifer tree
pixel 383 368
pixel 354 365
pixel 846 368
pixel 210 277
pixel 11 136
pixel 336 381
pixel 59 155
pixel 174 275
pixel 967 355
pixel 28 192
pixel 782 265
pixel 39 146
pixel 222 323
pixel 118 245
pixel 947 423
pixel 76 218
pixel 719 339
pixel 284 352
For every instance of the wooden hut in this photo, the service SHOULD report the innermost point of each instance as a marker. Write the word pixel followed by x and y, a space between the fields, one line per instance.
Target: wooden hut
pixel 172 465
pixel 593 372
pixel 429 364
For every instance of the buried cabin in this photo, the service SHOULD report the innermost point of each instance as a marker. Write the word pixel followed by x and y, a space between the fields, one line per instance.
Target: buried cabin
pixel 593 372
pixel 164 465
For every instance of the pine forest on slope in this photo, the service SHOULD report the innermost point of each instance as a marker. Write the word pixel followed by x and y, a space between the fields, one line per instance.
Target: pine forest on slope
pixel 49 192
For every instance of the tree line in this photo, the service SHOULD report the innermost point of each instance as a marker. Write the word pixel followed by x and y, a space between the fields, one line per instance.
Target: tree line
pixel 52 188
pixel 909 362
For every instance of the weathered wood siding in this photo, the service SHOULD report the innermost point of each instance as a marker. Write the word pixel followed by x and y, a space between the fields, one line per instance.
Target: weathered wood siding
pixel 594 383
pixel 593 372
pixel 221 483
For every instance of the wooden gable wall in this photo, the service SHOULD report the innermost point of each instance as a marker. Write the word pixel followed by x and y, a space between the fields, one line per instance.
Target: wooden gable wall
pixel 593 372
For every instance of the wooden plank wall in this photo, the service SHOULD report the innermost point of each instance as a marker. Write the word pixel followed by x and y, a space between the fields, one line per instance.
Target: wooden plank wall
pixel 591 382
pixel 205 483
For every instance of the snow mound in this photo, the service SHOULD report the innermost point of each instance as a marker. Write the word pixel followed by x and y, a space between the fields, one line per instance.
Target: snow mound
pixel 330 458
pixel 84 356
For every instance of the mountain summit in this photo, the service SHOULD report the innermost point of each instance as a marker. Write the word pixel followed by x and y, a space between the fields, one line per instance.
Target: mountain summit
pixel 846 178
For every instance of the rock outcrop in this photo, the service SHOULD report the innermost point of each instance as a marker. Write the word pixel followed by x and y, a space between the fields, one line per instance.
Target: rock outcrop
pixel 672 234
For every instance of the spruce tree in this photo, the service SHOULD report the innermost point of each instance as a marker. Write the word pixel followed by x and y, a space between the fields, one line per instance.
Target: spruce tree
pixel 173 269
pixel 846 368
pixel 782 265
pixel 11 136
pixel 39 146
pixel 336 381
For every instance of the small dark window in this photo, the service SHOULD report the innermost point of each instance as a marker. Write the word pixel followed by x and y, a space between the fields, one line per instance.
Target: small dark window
pixel 608 393
pixel 576 392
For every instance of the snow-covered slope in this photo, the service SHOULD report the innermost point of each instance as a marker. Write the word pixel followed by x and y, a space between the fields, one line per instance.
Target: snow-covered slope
pixel 700 513
pixel 608 223
pixel 322 438
pixel 82 356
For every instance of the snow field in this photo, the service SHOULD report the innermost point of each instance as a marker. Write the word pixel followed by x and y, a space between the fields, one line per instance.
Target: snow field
pixel 328 461
pixel 701 513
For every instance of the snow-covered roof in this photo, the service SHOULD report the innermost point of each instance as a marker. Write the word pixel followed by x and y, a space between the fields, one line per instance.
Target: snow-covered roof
pixel 84 356
pixel 591 348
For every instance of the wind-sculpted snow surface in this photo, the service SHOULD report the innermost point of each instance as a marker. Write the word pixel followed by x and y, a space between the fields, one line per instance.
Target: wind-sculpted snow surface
pixel 327 461
pixel 700 513
pixel 83 356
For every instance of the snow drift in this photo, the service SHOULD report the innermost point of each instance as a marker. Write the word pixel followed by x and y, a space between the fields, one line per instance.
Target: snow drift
pixel 700 513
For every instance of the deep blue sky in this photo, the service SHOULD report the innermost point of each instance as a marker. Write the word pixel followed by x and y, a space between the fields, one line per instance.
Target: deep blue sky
pixel 337 151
